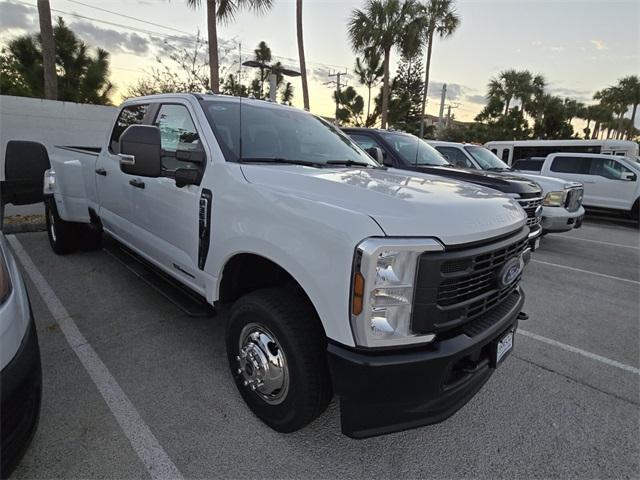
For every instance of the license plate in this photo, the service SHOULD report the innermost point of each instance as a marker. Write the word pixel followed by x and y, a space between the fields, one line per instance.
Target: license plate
pixel 503 347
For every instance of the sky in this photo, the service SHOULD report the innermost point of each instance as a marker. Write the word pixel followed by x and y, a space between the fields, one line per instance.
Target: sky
pixel 579 46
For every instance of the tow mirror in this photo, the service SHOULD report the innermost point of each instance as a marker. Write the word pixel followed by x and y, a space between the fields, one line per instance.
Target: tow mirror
pixel 187 176
pixel 140 148
pixel 24 167
pixel 376 154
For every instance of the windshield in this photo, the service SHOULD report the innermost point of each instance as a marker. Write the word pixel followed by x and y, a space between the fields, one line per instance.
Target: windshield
pixel 280 135
pixel 414 151
pixel 486 159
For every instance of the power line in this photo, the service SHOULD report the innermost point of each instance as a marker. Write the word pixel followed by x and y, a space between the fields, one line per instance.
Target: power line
pixel 189 38
pixel 129 17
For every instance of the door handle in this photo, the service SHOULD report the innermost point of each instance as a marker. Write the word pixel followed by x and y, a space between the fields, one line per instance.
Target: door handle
pixel 136 183
pixel 101 171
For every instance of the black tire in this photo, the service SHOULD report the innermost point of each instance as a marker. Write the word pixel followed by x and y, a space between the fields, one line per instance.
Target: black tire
pixel 63 235
pixel 298 335
pixel 634 213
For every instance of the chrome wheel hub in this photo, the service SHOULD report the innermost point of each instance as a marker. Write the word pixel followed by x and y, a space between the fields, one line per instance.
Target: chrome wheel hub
pixel 262 364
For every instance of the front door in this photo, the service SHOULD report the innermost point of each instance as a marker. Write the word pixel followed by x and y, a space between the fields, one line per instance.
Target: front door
pixel 614 184
pixel 170 216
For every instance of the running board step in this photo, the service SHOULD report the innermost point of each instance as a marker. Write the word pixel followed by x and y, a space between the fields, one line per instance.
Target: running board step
pixel 186 300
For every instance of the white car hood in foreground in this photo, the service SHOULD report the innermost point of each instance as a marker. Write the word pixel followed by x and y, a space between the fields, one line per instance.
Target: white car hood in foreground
pixel 402 205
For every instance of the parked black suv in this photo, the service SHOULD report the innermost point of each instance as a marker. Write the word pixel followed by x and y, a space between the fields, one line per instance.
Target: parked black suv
pixel 407 152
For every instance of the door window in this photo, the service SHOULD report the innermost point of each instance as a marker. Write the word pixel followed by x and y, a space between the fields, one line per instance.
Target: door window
pixel 505 155
pixel 608 168
pixel 365 141
pixel 131 115
pixel 456 156
pixel 178 136
pixel 578 165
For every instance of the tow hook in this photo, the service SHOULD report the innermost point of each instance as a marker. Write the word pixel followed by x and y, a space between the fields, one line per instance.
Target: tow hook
pixel 523 316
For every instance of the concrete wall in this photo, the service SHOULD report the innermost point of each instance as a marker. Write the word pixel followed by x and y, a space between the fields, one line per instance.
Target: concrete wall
pixel 52 123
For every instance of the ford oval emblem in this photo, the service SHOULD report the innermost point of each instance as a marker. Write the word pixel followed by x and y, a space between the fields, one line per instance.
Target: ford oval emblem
pixel 510 271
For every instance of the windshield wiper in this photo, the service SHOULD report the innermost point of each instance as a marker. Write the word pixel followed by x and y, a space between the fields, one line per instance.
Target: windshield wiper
pixel 348 163
pixel 287 161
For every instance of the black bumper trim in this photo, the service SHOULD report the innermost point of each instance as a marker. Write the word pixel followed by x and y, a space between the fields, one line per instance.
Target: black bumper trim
pixel 21 386
pixel 392 391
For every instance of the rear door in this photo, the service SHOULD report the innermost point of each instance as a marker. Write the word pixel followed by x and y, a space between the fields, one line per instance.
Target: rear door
pixel 115 195
pixel 170 215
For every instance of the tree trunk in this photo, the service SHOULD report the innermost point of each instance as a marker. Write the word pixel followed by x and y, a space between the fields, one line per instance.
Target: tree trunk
pixel 620 127
pixel 48 51
pixel 368 106
pixel 506 107
pixel 303 63
pixel 426 82
pixel 385 88
pixel 633 115
pixel 212 30
pixel 596 130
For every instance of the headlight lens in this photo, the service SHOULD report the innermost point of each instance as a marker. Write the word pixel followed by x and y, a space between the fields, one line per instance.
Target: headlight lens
pixel 554 199
pixel 382 291
pixel 5 280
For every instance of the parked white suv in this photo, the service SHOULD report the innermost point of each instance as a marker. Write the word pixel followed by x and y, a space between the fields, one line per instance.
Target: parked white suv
pixel 397 292
pixel 562 206
pixel 610 181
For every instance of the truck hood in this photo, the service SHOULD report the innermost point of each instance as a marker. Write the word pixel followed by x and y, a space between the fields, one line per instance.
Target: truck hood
pixel 402 204
pixel 549 184
pixel 503 182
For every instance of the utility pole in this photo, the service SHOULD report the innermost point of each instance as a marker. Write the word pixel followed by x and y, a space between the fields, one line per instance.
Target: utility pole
pixel 48 51
pixel 338 85
pixel 449 107
pixel 443 98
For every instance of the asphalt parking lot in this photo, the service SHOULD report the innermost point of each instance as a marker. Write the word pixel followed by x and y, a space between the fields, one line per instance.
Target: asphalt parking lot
pixel 140 389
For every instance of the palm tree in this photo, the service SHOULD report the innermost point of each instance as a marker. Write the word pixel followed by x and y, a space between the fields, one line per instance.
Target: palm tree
pixel 382 25
pixel 303 62
pixel 631 87
pixel 442 19
pixel 369 70
pixel 48 50
pixel 286 97
pixel 223 10
pixel 262 54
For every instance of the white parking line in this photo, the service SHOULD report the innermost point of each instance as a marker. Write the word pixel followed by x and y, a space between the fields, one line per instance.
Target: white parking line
pixel 635 282
pixel 579 351
pixel 142 439
pixel 567 237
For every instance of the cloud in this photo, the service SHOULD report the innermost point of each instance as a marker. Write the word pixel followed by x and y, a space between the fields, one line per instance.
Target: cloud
pixel 478 99
pixel 580 95
pixel 110 40
pixel 536 43
pixel 557 49
pixel 18 16
pixel 454 90
pixel 599 45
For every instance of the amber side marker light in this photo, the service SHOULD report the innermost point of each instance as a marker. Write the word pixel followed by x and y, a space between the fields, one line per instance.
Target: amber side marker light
pixel 358 294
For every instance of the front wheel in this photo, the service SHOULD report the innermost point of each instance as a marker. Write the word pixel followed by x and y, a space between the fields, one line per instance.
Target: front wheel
pixel 63 235
pixel 277 355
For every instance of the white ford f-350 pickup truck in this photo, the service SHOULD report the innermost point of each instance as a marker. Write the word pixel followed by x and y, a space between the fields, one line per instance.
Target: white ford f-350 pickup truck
pixel 397 292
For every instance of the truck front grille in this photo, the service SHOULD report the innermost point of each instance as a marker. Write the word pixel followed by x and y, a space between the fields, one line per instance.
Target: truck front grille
pixel 530 205
pixel 455 287
pixel 574 199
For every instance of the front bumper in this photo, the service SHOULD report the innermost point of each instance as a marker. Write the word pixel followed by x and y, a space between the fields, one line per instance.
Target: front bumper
pixel 383 392
pixel 535 233
pixel 558 219
pixel 21 386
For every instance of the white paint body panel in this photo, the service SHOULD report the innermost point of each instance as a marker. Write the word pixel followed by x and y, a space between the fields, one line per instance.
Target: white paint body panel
pixel 14 312
pixel 307 220
pixel 599 191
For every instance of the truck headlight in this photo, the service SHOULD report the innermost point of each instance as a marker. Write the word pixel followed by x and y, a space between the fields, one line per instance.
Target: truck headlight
pixel 384 274
pixel 554 199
